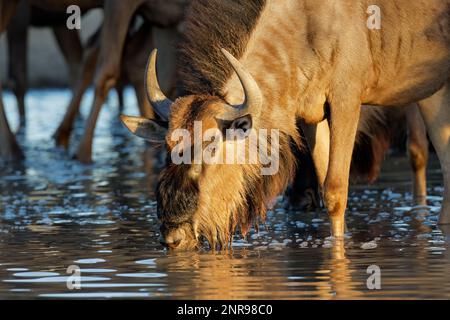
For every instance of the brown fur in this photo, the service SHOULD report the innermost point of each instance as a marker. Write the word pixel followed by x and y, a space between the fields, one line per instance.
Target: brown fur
pixel 372 142
pixel 10 151
pixel 106 65
pixel 9 148
pixel 324 65
pixel 219 210
pixel 203 69
pixel 118 15
pixel 7 10
pixel 68 40
pixel 178 199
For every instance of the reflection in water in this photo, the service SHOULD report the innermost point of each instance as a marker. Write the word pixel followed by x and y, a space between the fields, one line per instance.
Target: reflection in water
pixel 55 213
pixel 257 275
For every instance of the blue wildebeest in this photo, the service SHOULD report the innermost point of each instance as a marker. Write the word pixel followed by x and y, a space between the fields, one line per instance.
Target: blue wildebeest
pixel 9 149
pixel 106 60
pixel 265 64
pixel 380 129
pixel 17 34
pixel 118 16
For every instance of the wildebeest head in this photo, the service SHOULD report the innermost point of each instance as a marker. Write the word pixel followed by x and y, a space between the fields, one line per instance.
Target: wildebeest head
pixel 199 198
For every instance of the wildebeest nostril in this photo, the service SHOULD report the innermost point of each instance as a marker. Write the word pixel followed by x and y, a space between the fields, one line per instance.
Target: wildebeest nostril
pixel 172 241
pixel 173 245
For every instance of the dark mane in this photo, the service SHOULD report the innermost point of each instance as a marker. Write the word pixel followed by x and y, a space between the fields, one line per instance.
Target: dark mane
pixel 209 26
pixel 264 189
pixel 260 190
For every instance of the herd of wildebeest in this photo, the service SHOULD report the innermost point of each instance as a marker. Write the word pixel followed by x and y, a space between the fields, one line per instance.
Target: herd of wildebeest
pixel 338 93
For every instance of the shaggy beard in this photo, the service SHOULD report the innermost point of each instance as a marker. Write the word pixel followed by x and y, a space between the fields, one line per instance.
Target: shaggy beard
pixel 249 211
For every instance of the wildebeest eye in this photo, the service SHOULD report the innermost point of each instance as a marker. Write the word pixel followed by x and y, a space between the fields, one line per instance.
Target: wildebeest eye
pixel 243 123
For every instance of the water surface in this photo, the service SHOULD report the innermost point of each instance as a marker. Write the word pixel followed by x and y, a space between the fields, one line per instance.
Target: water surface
pixel 55 213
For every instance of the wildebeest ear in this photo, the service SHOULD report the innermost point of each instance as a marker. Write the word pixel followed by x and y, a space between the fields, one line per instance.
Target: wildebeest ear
pixel 244 123
pixel 149 129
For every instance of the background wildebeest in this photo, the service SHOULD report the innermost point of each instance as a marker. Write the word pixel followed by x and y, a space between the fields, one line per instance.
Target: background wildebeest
pixel 17 34
pixel 325 64
pixel 118 15
pixel 107 50
pixel 379 130
pixel 133 64
pixel 9 149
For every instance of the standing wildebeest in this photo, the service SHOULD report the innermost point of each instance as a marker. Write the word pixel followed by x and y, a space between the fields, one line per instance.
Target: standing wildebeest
pixel 68 40
pixel 9 149
pixel 133 62
pixel 324 65
pixel 7 10
pixel 118 15
pixel 379 129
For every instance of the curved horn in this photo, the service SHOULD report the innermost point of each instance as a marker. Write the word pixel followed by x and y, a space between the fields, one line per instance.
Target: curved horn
pixel 253 96
pixel 160 103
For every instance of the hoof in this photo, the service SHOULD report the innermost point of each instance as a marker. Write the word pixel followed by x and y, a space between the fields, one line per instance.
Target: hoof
pixel 61 139
pixel 62 136
pixel 83 157
pixel 13 155
pixel 420 200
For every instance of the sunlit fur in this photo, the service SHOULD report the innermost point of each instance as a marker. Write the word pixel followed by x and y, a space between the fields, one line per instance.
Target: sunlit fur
pixel 324 55
pixel 232 196
pixel 225 197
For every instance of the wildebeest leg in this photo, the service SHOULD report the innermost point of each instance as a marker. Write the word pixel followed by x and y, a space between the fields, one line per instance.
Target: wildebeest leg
pixel 436 114
pixel 7 10
pixel 118 15
pixel 343 127
pixel 318 139
pixel 86 74
pixel 17 36
pixel 418 152
pixel 84 151
pixel 70 45
pixel 120 87
pixel 303 193
pixel 145 109
pixel 134 62
pixel 9 149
